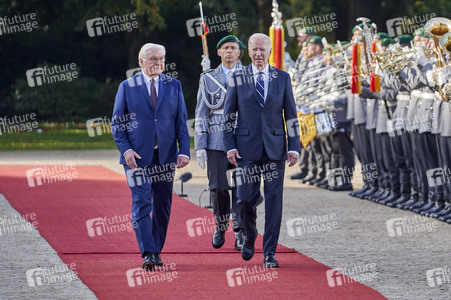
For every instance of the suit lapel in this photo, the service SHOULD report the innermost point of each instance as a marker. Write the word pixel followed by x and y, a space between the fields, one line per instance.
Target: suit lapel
pixel 271 83
pixel 162 86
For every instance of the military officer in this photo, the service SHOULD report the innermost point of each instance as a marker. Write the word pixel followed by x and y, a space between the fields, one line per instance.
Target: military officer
pixel 208 138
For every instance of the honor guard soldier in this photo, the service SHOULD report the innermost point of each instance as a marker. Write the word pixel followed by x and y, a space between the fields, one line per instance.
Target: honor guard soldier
pixel 208 137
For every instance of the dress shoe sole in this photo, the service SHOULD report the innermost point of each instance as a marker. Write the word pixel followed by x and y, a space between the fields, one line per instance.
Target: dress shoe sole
pixel 149 266
pixel 217 246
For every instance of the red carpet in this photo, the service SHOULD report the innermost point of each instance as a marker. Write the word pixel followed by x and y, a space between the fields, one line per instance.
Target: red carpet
pixel 85 218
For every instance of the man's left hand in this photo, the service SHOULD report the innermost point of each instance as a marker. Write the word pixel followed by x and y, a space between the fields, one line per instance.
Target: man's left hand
pixel 182 161
pixel 292 159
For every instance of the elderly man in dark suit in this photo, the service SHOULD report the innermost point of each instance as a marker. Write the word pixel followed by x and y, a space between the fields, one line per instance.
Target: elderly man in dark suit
pixel 151 106
pixel 260 100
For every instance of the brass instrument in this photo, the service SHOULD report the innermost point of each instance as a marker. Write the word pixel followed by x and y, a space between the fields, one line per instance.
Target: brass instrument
pixel 445 42
pixel 437 27
pixel 393 61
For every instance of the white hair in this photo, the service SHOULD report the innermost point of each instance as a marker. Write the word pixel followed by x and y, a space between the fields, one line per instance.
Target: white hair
pixel 147 47
pixel 261 35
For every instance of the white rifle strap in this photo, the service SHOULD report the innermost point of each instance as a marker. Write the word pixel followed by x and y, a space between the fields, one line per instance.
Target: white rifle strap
pixel 217 82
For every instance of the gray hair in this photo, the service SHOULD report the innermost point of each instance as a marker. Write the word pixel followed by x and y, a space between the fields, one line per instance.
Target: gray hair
pixel 261 35
pixel 147 47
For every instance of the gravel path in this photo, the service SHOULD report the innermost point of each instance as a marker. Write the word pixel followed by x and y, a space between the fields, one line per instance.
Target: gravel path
pixel 357 237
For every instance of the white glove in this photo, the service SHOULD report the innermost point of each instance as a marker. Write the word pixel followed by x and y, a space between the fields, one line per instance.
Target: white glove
pixel 443 75
pixel 430 78
pixel 205 63
pixel 201 155
pixel 420 57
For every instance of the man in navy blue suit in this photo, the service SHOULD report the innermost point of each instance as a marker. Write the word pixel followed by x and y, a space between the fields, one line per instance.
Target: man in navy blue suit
pixel 260 100
pixel 149 118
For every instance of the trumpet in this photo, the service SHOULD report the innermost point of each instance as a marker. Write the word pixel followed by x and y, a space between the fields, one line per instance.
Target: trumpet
pixel 438 27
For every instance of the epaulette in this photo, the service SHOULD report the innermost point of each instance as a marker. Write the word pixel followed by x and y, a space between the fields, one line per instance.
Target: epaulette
pixel 211 70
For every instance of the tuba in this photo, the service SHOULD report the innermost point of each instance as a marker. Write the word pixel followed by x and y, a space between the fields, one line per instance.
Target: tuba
pixel 445 42
pixel 438 27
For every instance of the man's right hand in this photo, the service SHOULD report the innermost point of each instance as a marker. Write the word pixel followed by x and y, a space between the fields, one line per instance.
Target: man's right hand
pixel 130 159
pixel 201 155
pixel 232 155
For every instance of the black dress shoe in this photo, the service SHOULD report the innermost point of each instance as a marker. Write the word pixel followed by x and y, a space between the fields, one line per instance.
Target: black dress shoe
pixel 239 240
pixel 340 188
pixel 403 198
pixel 373 193
pixel 370 191
pixel 365 188
pixel 270 262
pixel 299 175
pixel 248 250
pixel 158 261
pixel 308 178
pixel 322 182
pixel 149 262
pixel 218 239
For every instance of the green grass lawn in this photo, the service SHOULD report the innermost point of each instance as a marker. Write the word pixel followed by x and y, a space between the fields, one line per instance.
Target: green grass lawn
pixel 57 139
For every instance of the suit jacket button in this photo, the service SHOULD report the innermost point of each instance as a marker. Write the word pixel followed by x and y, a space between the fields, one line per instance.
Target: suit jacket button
pixel 155 120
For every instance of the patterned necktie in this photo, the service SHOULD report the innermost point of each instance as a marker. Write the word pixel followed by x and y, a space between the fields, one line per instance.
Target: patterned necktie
pixel 260 88
pixel 153 97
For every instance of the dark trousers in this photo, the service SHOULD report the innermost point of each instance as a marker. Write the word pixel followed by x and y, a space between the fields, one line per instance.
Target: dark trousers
pixel 342 151
pixel 420 164
pixel 407 146
pixel 387 159
pixel 363 149
pixel 151 207
pixel 320 157
pixel 248 179
pixel 217 168
pixel 445 154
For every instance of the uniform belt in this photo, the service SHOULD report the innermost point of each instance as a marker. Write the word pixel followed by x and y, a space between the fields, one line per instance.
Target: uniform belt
pixel 428 96
pixel 219 111
pixel 416 93
pixel 403 97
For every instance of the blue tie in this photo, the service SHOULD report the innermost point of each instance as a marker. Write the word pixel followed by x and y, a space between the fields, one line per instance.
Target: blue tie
pixel 260 87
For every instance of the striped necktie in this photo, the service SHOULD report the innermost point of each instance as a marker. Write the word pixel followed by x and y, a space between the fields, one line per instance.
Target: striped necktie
pixel 260 88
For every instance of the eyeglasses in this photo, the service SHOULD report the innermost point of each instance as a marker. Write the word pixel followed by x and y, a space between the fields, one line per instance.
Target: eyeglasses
pixel 156 59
